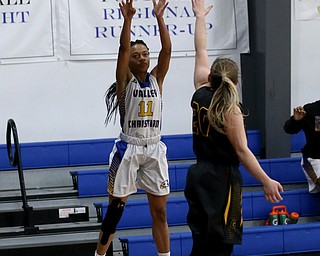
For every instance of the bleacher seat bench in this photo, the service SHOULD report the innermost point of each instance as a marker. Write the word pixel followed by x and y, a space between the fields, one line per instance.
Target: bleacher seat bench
pixel 254 205
pixel 91 183
pixel 257 241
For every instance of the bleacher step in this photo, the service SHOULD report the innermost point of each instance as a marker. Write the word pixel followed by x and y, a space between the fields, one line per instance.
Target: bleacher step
pixel 14 195
pixel 51 229
pixel 57 240
pixel 70 234
pixel 93 182
pixel 46 215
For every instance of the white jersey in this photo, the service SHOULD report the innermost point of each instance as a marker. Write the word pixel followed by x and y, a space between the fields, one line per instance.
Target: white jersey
pixel 143 108
pixel 139 158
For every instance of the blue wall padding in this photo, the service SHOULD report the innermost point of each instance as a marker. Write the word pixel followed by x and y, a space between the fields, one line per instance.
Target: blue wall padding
pixel 96 151
pixel 254 141
pixel 90 152
pixel 297 142
pixel 38 155
pixel 44 154
pixel 4 160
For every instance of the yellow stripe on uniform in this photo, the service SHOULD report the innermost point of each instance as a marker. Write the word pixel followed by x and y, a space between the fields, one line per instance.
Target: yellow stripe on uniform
pixel 227 207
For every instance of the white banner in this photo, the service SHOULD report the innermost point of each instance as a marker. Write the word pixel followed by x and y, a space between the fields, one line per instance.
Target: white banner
pixel 26 30
pixel 307 9
pixel 95 27
pixel 42 30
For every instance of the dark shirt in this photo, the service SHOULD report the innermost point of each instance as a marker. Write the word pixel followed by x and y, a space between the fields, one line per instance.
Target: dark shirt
pixel 310 124
pixel 208 144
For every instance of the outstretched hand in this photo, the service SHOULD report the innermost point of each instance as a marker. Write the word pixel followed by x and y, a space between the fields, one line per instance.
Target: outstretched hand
pixel 159 7
pixel 272 191
pixel 199 8
pixel 127 9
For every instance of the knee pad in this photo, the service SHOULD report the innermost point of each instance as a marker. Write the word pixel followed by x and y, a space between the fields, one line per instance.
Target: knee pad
pixel 111 220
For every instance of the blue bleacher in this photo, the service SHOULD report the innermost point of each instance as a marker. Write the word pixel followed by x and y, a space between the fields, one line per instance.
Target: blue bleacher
pixel 137 214
pixel 258 240
pixel 255 207
pixel 90 183
pixel 297 142
pixel 286 170
pixel 93 182
pixel 96 151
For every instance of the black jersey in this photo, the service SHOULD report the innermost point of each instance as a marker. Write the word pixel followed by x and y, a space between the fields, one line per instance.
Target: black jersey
pixel 208 144
pixel 310 124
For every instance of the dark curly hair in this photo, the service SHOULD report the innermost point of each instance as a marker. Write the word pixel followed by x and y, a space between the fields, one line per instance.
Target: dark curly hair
pixel 112 103
pixel 138 41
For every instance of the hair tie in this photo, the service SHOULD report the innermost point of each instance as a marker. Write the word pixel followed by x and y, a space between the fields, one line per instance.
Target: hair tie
pixel 216 81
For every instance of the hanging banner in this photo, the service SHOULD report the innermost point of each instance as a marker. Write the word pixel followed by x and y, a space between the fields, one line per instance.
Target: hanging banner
pixel 307 9
pixel 26 30
pixel 46 30
pixel 94 27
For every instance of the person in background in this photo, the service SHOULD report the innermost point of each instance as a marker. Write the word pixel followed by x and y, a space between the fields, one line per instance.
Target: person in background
pixel 138 158
pixel 214 184
pixel 307 118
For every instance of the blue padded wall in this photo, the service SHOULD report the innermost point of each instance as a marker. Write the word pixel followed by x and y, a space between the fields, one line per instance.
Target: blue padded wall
pixel 297 142
pixel 96 151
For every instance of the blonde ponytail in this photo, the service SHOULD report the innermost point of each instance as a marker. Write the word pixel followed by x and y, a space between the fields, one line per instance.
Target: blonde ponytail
pixel 225 99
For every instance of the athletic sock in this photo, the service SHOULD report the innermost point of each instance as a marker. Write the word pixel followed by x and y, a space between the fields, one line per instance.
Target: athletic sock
pixel 164 254
pixel 96 254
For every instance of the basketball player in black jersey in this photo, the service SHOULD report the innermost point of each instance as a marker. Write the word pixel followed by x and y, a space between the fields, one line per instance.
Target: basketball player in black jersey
pixel 213 188
pixel 307 118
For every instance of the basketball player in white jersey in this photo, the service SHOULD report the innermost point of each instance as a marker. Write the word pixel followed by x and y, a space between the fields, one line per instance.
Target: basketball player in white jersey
pixel 138 159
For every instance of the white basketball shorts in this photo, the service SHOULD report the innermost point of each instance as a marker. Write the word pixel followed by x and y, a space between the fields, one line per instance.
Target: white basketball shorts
pixel 138 164
pixel 311 169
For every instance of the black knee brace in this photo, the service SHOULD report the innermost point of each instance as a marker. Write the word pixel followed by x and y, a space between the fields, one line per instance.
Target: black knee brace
pixel 111 220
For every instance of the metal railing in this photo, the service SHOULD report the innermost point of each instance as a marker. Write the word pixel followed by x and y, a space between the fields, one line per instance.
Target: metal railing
pixel 15 160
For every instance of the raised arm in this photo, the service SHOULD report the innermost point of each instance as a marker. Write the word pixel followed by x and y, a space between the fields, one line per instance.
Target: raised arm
pixel 236 134
pixel 202 66
pixel 161 69
pixel 293 124
pixel 123 73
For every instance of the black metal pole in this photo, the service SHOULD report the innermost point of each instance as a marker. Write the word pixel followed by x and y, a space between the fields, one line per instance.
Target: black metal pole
pixel 15 160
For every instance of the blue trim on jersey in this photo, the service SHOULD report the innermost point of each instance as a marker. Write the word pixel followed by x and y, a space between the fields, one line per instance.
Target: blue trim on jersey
pixel 146 83
pixel 121 148
pixel 117 158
